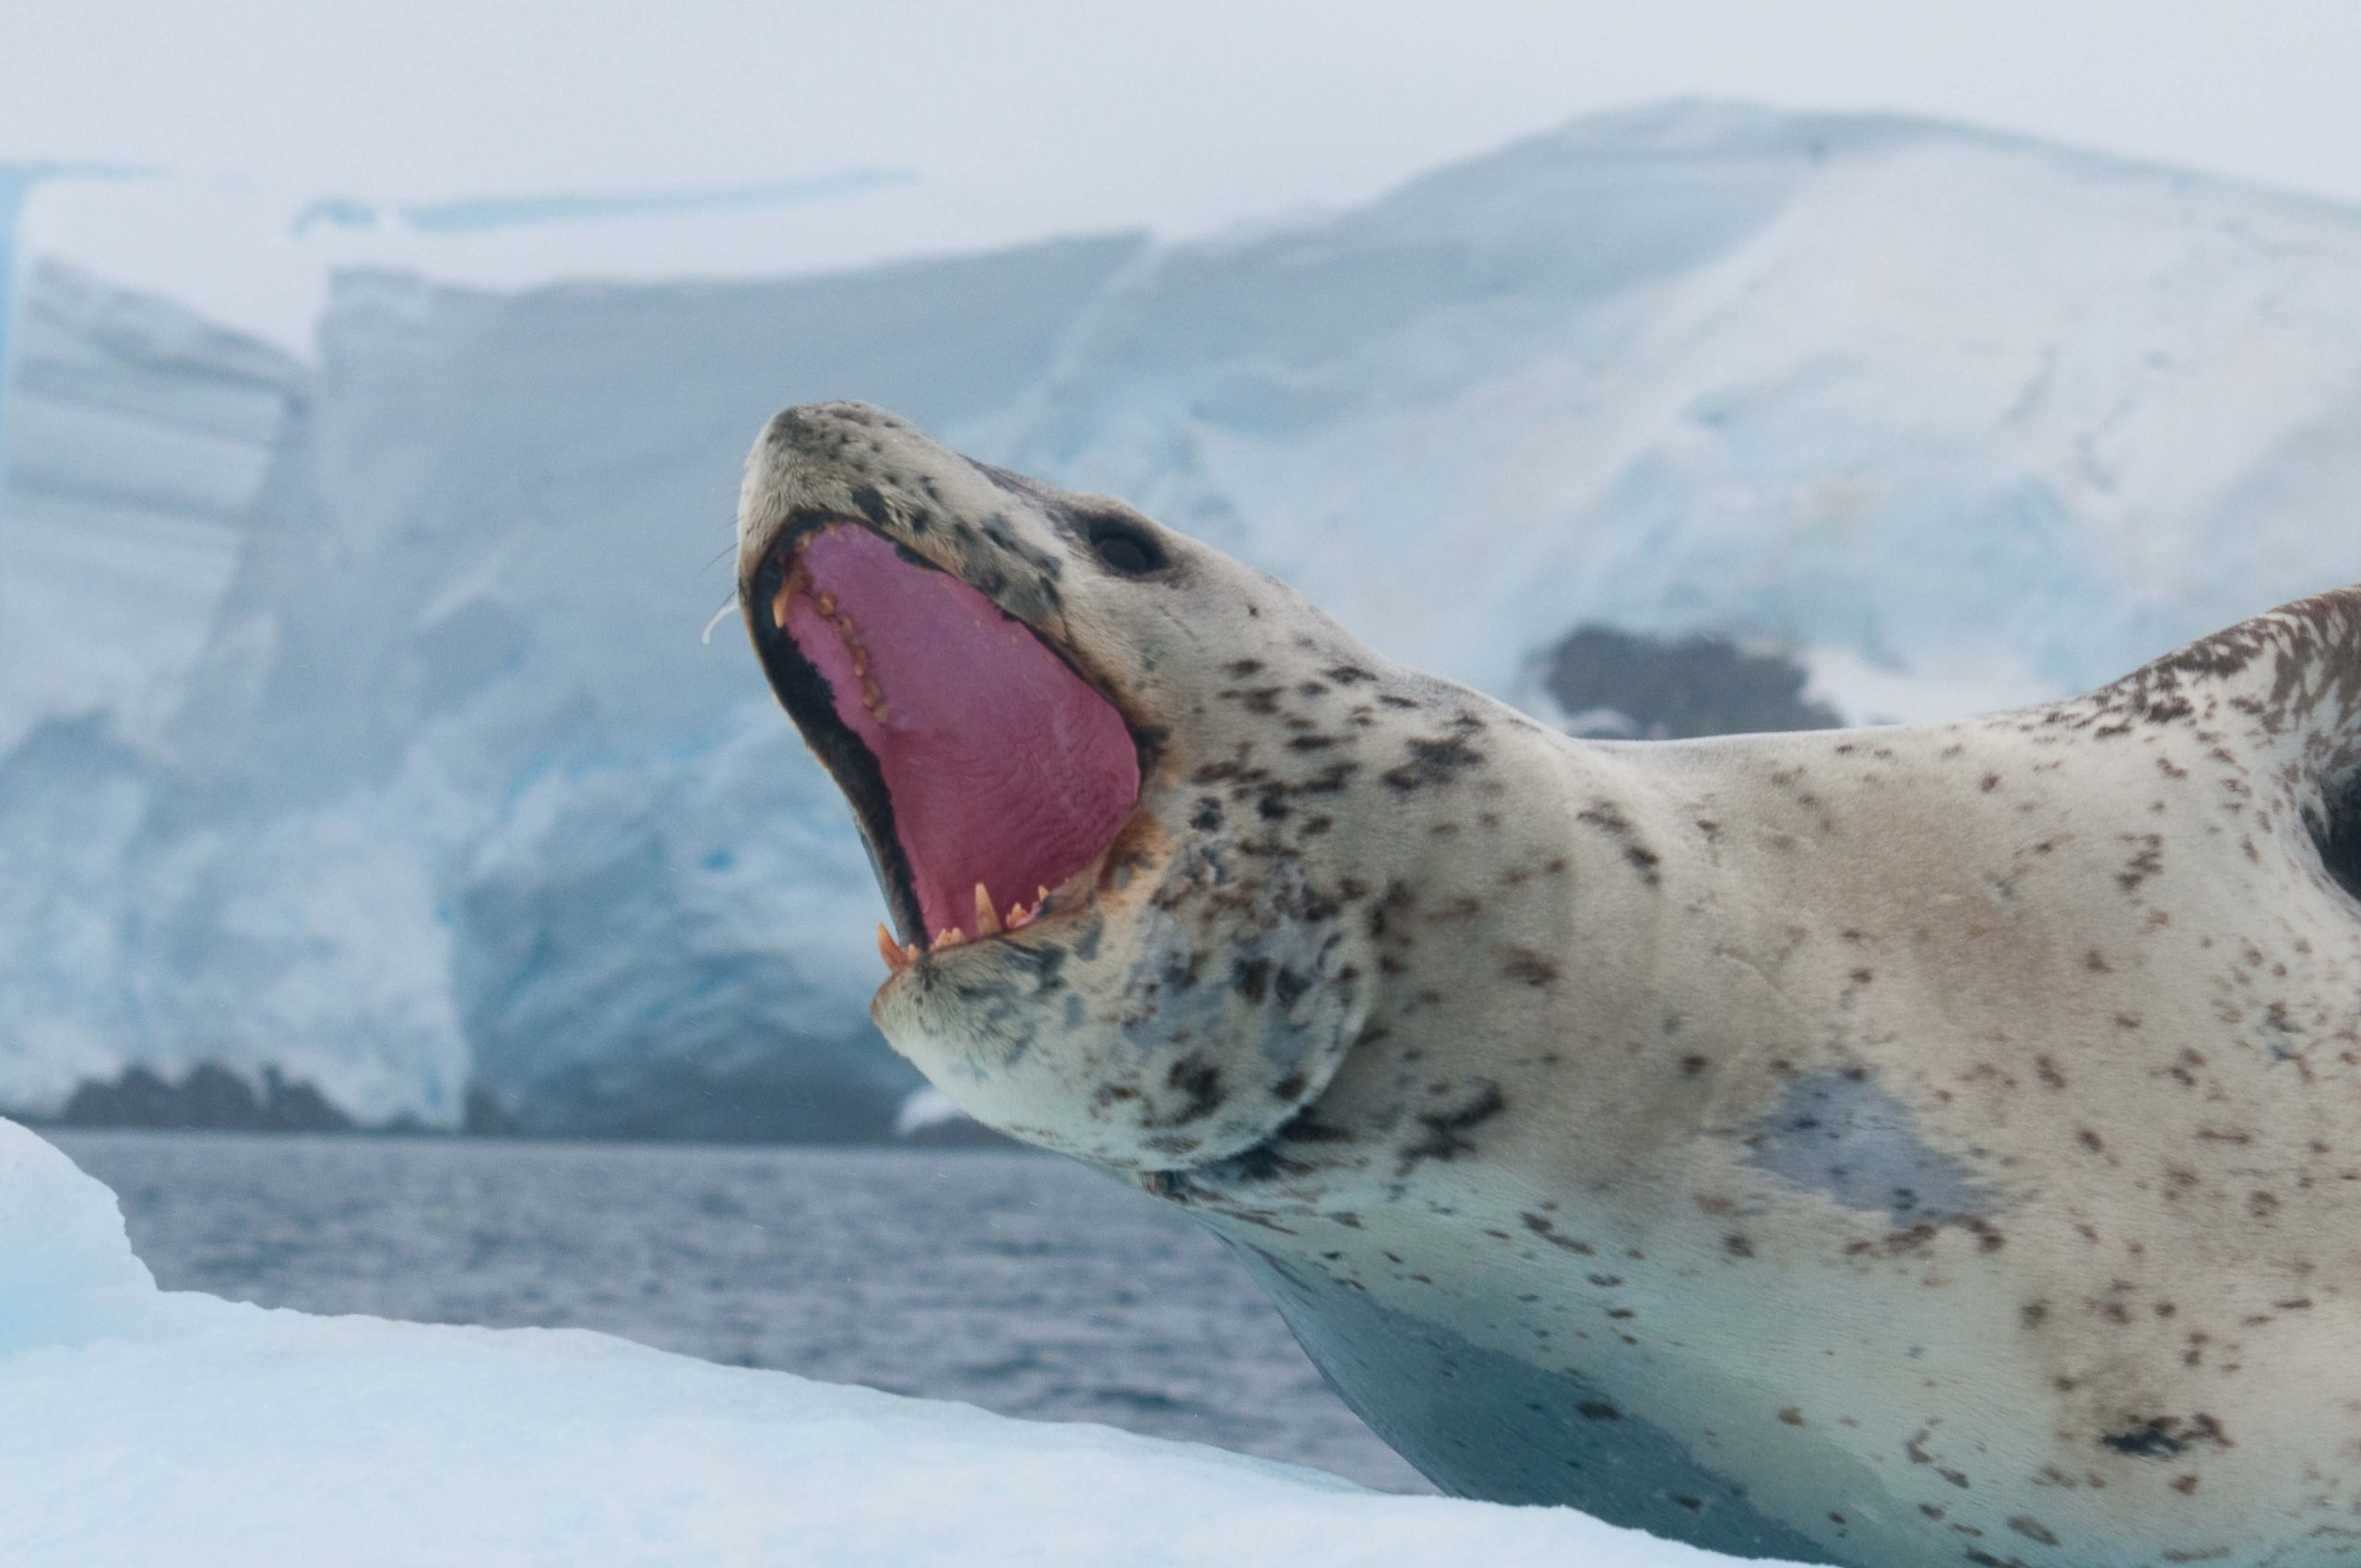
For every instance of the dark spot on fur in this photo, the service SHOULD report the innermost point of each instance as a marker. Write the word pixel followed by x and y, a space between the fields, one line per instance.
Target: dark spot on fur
pixel 1200 1081
pixel 1433 760
pixel 1524 964
pixel 2160 1437
pixel 1608 818
pixel 2146 1442
pixel 1250 978
pixel 2147 860
pixel 1547 1228
pixel 1444 1129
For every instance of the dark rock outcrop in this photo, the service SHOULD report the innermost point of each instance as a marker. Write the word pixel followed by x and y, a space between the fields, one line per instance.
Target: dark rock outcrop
pixel 1621 685
pixel 210 1095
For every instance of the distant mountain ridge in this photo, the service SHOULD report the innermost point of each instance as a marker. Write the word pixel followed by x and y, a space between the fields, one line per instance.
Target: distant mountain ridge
pixel 353 724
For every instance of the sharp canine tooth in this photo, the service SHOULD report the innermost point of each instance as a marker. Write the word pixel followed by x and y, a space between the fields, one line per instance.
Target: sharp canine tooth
pixel 894 957
pixel 779 602
pixel 987 921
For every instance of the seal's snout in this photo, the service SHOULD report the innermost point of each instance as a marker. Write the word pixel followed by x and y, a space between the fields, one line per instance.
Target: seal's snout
pixel 987 774
pixel 837 456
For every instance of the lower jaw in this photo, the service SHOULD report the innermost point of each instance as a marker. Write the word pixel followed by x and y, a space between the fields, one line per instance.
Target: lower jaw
pixel 1137 850
pixel 1053 908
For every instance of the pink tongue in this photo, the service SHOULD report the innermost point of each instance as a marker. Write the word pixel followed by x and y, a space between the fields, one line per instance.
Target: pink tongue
pixel 1002 767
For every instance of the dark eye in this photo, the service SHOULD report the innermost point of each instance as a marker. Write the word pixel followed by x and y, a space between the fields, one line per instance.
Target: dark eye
pixel 1125 547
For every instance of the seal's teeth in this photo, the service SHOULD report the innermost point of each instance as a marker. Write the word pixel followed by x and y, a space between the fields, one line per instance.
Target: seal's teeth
pixel 778 604
pixel 896 959
pixel 950 936
pixel 827 603
pixel 860 661
pixel 986 921
pixel 1020 914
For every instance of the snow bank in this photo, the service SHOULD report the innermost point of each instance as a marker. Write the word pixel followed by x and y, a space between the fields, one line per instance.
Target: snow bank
pixel 180 1431
pixel 67 1272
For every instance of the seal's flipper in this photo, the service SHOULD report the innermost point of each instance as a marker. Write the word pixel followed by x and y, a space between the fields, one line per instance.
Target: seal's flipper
pixel 2278 698
pixel 2336 832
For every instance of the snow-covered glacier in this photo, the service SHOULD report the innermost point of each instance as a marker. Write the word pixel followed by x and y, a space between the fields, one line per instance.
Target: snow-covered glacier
pixel 353 718
pixel 181 1430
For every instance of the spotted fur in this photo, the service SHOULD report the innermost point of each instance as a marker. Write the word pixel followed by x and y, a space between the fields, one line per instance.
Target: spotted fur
pixel 1917 1145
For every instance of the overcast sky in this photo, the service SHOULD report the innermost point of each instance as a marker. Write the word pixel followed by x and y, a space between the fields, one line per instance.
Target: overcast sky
pixel 1175 113
pixel 1036 116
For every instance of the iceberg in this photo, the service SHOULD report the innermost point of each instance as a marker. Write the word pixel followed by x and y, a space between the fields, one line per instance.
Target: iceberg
pixel 181 1431
pixel 353 721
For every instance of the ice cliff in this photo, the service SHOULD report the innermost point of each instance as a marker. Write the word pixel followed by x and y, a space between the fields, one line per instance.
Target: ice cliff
pixel 353 720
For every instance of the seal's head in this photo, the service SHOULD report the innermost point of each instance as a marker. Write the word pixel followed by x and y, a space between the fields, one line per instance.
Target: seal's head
pixel 1088 795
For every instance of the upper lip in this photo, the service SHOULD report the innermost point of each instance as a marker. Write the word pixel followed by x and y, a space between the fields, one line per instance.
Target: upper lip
pixel 800 691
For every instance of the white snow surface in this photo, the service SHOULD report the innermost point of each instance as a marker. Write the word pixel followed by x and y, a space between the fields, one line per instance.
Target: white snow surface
pixel 179 1431
pixel 353 718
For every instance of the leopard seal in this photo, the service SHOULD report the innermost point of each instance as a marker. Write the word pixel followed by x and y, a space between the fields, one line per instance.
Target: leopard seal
pixel 1914 1144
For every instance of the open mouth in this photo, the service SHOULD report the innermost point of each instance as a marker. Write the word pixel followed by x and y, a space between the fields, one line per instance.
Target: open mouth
pixel 986 774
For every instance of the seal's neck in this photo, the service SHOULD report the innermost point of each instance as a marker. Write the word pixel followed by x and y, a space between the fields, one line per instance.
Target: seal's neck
pixel 1526 896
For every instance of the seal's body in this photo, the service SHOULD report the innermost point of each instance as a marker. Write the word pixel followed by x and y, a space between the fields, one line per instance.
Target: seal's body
pixel 1872 1146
